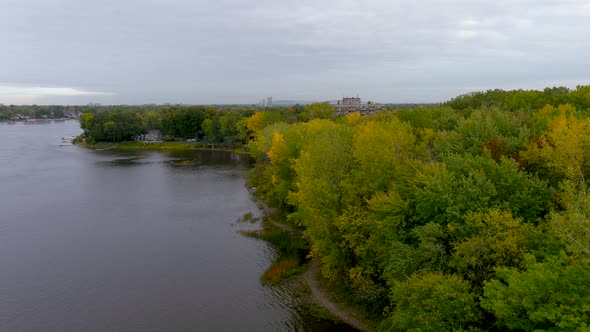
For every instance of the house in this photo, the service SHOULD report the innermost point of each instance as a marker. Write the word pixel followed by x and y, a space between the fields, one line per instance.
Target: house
pixel 151 136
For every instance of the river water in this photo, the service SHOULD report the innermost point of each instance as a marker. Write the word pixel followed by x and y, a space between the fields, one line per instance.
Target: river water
pixel 140 241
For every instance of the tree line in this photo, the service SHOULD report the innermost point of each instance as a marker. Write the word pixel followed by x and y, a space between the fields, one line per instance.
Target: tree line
pixel 515 100
pixel 228 126
pixel 14 112
pixel 469 215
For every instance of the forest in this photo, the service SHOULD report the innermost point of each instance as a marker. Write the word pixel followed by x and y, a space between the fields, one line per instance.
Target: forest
pixel 469 215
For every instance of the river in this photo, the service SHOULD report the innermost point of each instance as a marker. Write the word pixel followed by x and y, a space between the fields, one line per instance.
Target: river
pixel 134 241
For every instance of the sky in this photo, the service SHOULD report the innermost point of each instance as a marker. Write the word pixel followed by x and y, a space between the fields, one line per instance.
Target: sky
pixel 238 51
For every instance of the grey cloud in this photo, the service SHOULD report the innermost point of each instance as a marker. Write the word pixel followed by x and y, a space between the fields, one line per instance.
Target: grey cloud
pixel 240 51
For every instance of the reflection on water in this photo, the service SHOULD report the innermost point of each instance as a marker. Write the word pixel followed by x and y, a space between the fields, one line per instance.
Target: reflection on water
pixel 122 162
pixel 131 241
pixel 184 162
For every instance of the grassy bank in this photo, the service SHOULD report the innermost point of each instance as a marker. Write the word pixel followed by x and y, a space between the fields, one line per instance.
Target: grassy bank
pixel 167 146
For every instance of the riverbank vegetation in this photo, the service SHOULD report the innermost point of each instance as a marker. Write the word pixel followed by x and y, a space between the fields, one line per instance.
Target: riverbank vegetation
pixel 470 215
pixel 227 127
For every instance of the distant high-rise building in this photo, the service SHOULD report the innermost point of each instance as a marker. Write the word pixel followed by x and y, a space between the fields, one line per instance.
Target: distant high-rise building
pixel 266 102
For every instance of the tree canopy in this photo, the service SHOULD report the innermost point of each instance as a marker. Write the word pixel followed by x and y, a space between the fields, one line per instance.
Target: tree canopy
pixel 471 215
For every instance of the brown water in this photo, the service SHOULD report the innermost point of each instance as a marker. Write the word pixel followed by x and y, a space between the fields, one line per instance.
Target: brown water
pixel 111 241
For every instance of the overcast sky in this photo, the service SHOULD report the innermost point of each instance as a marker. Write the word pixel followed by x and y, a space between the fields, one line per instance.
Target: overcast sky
pixel 237 51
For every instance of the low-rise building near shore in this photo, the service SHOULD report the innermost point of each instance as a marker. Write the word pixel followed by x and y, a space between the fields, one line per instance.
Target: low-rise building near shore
pixel 151 136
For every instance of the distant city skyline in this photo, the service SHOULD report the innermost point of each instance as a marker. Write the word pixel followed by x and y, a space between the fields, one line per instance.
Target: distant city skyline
pixel 181 51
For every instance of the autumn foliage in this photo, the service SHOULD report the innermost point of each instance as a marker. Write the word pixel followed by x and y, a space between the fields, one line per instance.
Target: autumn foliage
pixel 473 215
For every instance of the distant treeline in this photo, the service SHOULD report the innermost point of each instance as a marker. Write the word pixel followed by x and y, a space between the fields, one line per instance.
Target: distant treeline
pixel 404 106
pixel 473 215
pixel 13 112
pixel 515 100
pixel 229 126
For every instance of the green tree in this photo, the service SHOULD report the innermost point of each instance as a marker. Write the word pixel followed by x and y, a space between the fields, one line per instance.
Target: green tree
pixel 228 126
pixel 572 225
pixel 152 120
pixel 437 118
pixel 446 194
pixel 169 123
pixel 113 125
pixel 552 295
pixel 424 249
pixel 432 302
pixel 502 133
pixel 211 129
pixel 581 97
pixel 490 240
pixel 318 111
pixel 111 131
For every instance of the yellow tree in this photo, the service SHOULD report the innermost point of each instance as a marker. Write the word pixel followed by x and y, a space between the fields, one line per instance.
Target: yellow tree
pixel 284 149
pixel 564 147
pixel 322 170
pixel 258 121
pixel 384 153
pixel 86 121
pixel 277 150
pixel 254 123
pixel 353 118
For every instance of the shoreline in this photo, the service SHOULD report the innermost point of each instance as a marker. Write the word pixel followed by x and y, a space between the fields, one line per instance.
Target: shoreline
pixel 310 277
pixel 36 120
pixel 156 146
pixel 322 297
